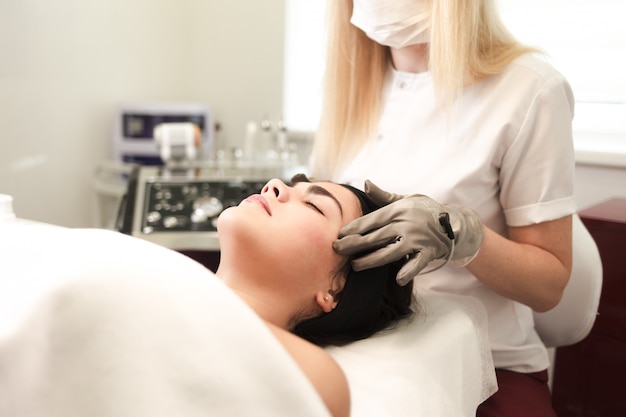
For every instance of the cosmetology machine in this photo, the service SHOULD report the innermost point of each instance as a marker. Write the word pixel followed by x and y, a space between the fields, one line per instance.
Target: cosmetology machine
pixel 176 200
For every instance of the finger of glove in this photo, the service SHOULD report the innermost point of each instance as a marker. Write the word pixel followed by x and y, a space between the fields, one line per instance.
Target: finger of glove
pixel 355 243
pixel 382 256
pixel 412 267
pixel 370 222
pixel 380 196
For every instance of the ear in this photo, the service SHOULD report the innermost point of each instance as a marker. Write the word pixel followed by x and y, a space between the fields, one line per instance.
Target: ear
pixel 326 301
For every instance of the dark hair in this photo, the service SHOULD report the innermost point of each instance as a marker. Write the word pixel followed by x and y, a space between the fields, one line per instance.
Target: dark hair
pixel 370 301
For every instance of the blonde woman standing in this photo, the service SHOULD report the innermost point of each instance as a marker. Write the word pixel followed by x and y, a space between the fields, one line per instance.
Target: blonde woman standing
pixel 436 98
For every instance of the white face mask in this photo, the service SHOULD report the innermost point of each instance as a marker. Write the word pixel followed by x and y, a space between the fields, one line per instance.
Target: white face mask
pixel 394 23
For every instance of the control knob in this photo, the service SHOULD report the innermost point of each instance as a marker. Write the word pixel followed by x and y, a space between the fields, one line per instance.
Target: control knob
pixel 204 208
pixel 170 222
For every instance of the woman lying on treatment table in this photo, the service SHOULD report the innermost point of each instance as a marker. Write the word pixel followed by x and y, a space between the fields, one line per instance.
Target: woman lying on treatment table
pixel 94 322
pixel 276 254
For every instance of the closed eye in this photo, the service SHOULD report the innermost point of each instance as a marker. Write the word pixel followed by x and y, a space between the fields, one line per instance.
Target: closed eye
pixel 314 207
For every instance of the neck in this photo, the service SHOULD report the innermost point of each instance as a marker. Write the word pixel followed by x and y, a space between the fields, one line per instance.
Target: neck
pixel 412 58
pixel 265 303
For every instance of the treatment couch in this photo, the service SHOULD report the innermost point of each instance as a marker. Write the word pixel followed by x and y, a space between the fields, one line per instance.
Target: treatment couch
pixel 97 323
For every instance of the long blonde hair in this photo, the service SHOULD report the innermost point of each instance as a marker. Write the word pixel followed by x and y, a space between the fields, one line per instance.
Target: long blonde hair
pixel 468 43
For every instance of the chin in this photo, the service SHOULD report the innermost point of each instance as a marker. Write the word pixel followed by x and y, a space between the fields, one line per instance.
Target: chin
pixel 227 219
pixel 238 231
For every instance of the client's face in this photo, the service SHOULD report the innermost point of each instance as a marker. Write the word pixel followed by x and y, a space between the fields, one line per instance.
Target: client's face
pixel 289 229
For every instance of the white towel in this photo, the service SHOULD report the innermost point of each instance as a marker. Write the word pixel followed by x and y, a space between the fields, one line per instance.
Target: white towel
pixel 96 323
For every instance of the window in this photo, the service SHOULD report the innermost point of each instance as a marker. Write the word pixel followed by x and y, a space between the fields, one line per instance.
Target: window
pixel 305 48
pixel 584 39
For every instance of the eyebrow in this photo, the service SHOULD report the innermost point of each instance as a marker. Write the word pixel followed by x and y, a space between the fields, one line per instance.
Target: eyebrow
pixel 317 190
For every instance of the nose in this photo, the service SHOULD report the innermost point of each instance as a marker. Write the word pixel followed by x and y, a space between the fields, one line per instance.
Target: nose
pixel 277 188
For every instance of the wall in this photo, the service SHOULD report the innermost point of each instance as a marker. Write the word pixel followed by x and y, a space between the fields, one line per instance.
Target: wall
pixel 66 65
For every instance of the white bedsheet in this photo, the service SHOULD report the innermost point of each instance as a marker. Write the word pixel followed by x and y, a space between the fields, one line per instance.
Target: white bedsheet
pixel 95 323
pixel 438 364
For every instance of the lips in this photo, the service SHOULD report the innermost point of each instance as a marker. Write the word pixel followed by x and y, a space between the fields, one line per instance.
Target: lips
pixel 257 198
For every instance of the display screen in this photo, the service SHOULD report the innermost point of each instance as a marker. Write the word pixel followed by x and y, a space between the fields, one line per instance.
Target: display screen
pixel 141 126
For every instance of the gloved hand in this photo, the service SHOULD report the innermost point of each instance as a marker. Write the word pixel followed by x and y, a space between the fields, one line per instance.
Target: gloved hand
pixel 415 227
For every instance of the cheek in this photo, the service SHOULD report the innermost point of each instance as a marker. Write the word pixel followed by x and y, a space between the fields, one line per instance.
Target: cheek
pixel 316 234
pixel 316 246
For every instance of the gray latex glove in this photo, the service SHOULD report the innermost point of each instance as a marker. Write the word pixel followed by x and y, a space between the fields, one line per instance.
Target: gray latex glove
pixel 415 227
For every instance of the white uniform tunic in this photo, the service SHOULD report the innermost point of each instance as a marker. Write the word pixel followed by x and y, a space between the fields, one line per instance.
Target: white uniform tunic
pixel 504 149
